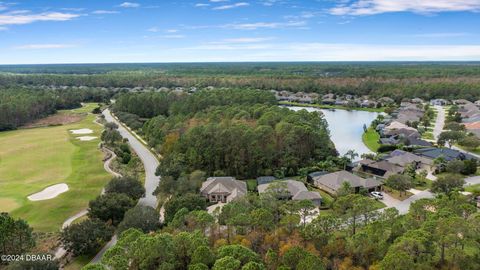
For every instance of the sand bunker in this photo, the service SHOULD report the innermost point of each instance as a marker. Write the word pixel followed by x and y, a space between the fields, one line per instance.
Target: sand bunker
pixel 86 138
pixel 82 131
pixel 49 192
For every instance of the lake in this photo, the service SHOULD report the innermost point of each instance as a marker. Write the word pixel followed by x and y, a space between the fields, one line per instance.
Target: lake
pixel 346 128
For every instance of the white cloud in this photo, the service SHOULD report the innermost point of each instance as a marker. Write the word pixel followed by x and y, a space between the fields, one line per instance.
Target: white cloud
pixel 269 3
pixel 370 7
pixel 202 5
pixel 129 5
pixel 259 25
pixel 44 46
pixel 171 30
pixel 26 17
pixel 218 1
pixel 243 40
pixel 153 29
pixel 2 28
pixel 441 35
pixel 105 12
pixel 174 36
pixel 236 5
pixel 326 52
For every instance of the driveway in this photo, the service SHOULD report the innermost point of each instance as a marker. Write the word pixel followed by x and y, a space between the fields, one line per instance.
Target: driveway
pixel 389 201
pixel 473 180
pixel 439 123
pixel 404 205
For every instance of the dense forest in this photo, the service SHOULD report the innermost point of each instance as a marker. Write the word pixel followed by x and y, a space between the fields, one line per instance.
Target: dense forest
pixel 397 80
pixel 20 105
pixel 228 132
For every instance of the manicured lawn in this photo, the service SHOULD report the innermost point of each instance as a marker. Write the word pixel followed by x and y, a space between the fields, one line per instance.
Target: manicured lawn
pixel 321 106
pixel 473 189
pixel 396 194
pixel 424 186
pixel 33 159
pixel 378 204
pixel 475 151
pixel 427 136
pixel 371 139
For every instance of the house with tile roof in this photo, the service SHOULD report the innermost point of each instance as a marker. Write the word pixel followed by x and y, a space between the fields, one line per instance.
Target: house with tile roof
pixel 332 182
pixel 223 189
pixel 292 190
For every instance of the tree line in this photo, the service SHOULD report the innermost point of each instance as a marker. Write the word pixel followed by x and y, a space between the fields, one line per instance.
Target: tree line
pixel 19 105
pixel 397 80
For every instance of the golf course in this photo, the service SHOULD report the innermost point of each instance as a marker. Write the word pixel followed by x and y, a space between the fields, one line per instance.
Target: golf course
pixel 34 159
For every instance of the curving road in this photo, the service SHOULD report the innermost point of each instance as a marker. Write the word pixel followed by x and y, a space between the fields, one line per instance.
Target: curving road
pixel 150 163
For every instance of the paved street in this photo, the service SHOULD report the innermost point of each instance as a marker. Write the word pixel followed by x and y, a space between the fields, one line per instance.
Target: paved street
pixel 150 163
pixel 149 160
pixel 439 122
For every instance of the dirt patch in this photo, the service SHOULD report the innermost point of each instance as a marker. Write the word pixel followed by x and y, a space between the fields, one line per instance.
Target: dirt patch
pixel 58 119
pixel 7 205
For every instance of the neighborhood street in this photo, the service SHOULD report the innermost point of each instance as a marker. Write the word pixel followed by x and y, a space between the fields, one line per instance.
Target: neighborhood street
pixel 439 123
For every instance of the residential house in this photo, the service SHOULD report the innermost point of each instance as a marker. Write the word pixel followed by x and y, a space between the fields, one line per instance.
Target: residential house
pixel 382 168
pixel 333 182
pixel 386 101
pixel 404 159
pixel 265 180
pixel 223 189
pixel 396 128
pixel 446 153
pixel 292 190
pixel 417 101
pixel 438 102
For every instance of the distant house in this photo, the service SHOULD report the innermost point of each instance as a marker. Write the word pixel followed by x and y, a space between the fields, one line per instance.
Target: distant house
pixel 445 153
pixel 386 101
pixel 265 180
pixel 313 175
pixel 396 128
pixel 403 159
pixel 223 189
pixel 382 168
pixel 294 190
pixel 368 104
pixel 332 182
pixel 438 102
pixel 328 101
pixel 417 100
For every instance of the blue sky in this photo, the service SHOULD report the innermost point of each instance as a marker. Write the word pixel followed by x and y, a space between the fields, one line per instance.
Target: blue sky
pixel 94 31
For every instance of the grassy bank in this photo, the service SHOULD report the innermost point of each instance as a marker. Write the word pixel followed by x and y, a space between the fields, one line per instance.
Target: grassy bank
pixel 33 159
pixel 371 139
pixel 337 107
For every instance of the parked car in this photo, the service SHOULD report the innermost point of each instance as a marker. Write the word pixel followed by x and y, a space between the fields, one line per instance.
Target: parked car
pixel 377 195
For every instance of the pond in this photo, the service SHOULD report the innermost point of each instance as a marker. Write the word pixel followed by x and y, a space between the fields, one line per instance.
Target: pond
pixel 346 128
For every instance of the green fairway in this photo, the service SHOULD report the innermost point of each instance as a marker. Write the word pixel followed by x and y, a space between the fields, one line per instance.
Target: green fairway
pixel 370 139
pixel 33 159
